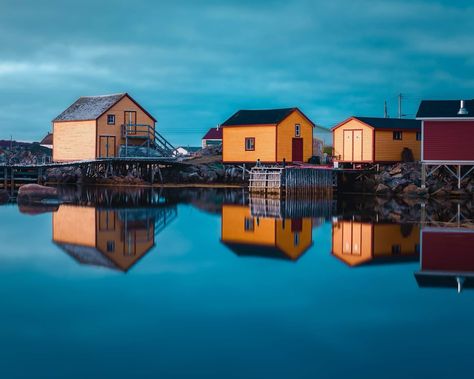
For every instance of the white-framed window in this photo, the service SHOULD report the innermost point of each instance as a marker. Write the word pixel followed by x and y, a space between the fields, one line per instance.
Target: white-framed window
pixel 297 130
pixel 110 119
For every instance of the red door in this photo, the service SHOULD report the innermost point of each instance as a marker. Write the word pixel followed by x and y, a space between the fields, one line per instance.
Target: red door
pixel 297 150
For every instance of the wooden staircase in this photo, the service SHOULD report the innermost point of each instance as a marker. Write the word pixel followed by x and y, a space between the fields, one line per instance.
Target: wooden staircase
pixel 143 140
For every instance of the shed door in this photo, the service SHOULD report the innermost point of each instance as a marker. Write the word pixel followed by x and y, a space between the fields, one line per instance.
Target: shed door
pixel 106 146
pixel 348 144
pixel 357 139
pixel 297 150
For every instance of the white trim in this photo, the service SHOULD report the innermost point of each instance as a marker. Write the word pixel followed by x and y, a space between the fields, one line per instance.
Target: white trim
pixel 445 118
pixel 462 163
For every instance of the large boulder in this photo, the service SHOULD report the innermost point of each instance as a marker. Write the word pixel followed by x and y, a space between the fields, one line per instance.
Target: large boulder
pixel 382 189
pixel 36 192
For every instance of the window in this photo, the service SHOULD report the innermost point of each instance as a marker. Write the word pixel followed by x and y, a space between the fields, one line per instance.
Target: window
pixel 396 249
pixel 250 144
pixel 297 130
pixel 397 135
pixel 418 136
pixel 110 119
pixel 110 246
pixel 249 225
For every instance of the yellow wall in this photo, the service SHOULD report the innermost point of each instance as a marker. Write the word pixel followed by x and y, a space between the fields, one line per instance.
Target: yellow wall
pixel 75 225
pixel 286 133
pixel 388 235
pixel 285 237
pixel 388 149
pixel 74 140
pixel 367 141
pixel 115 130
pixel 357 242
pixel 233 227
pixel 233 143
pixel 352 242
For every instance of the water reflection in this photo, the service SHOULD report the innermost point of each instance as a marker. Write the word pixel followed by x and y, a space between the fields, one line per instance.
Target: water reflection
pixel 364 242
pixel 447 258
pixel 112 238
pixel 247 234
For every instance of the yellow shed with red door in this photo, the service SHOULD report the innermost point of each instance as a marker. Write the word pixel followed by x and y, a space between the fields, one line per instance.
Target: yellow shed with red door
pixel 269 135
pixel 94 127
pixel 376 140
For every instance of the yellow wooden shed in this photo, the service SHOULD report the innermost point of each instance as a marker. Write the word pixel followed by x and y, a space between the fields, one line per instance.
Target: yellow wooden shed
pixel 375 140
pixel 249 235
pixel 98 126
pixel 269 135
pixel 357 243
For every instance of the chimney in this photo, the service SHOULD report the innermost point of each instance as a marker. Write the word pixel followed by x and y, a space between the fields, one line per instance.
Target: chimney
pixel 462 110
pixel 217 127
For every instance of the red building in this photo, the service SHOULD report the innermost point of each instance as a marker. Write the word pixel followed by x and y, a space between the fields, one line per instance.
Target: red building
pixel 447 130
pixel 447 258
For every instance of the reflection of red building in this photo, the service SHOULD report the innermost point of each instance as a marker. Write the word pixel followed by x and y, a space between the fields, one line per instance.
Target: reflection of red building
pixel 447 258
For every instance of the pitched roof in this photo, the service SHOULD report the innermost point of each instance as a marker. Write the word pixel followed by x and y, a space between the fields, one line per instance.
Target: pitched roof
pixel 47 140
pixel 89 107
pixel 213 133
pixel 261 116
pixel 444 109
pixel 386 123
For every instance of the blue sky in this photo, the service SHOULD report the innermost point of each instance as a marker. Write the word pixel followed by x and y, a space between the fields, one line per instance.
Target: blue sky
pixel 193 63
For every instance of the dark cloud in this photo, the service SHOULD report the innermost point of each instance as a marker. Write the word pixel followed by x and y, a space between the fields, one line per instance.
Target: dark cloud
pixel 193 63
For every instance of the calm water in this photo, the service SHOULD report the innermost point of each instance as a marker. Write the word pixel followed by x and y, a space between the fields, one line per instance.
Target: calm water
pixel 204 284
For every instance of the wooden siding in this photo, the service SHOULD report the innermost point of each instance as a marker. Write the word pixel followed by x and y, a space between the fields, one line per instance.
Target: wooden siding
pixel 387 236
pixel 233 143
pixel 286 133
pixel 125 104
pixel 342 152
pixel 389 150
pixel 356 243
pixel 75 225
pixel 285 236
pixel 448 140
pixel 74 140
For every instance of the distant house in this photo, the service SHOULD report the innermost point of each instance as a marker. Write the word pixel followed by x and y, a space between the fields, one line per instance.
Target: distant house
pixel 359 243
pixel 47 141
pixel 212 137
pixel 375 140
pixel 186 151
pixel 266 237
pixel 271 135
pixel 94 127
pixel 448 131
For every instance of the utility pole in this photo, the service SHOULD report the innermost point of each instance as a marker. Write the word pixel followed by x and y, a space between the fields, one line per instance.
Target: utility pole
pixel 385 110
pixel 400 105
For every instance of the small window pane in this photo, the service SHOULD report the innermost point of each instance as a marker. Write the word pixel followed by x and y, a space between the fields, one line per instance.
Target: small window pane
pixel 110 119
pixel 397 135
pixel 250 144
pixel 418 136
pixel 297 130
pixel 249 224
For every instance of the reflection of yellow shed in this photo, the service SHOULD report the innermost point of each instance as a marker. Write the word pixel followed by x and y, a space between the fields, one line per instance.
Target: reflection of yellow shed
pixel 261 236
pixel 372 139
pixel 357 243
pixel 102 237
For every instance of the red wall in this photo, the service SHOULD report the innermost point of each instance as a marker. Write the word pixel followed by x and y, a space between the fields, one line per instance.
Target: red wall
pixel 448 140
pixel 448 251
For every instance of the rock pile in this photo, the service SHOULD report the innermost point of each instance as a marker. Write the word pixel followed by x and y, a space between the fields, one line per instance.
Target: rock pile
pixel 12 152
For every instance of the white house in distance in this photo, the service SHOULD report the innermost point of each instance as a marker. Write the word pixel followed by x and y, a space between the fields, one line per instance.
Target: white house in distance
pixel 185 151
pixel 212 137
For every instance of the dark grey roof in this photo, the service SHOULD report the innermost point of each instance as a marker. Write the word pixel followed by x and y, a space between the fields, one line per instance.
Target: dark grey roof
pixel 391 123
pixel 444 109
pixel 89 107
pixel 260 116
